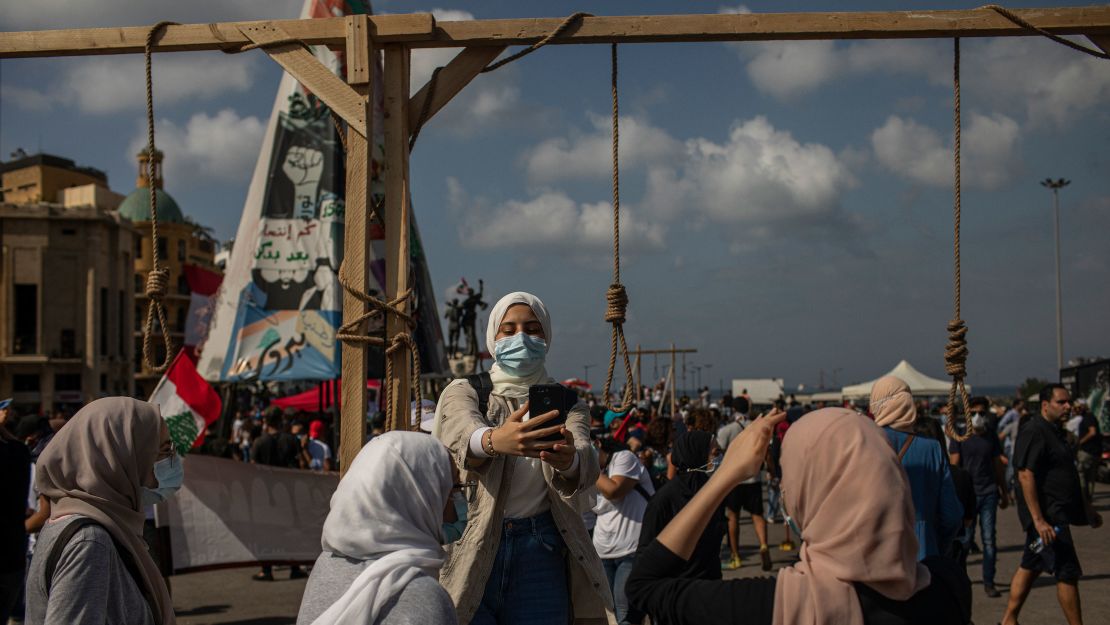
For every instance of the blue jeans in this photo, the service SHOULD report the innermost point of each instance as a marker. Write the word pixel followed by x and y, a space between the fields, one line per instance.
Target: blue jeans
pixel 618 570
pixel 774 496
pixel 528 582
pixel 986 510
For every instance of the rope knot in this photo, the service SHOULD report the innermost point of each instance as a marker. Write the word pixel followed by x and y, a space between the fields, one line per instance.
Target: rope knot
pixel 617 300
pixel 157 282
pixel 955 351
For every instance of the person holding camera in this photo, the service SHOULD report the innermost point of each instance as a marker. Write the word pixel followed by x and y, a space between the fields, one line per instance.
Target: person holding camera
pixel 846 492
pixel 525 557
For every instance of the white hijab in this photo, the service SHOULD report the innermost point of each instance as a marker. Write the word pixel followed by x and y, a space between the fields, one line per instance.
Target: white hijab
pixel 388 508
pixel 503 383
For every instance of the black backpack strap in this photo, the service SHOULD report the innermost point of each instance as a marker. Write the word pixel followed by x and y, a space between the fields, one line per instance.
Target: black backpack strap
pixel 483 385
pixel 643 491
pixel 67 534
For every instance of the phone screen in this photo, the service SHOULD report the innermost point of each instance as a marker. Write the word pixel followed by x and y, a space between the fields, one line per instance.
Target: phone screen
pixel 543 398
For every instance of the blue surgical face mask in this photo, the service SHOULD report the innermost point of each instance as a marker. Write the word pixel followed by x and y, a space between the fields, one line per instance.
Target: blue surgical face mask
pixel 521 354
pixel 170 473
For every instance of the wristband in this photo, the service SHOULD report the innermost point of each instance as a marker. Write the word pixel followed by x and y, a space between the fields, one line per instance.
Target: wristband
pixel 487 445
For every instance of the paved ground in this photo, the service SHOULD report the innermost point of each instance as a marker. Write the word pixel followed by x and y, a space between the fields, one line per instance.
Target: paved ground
pixel 231 598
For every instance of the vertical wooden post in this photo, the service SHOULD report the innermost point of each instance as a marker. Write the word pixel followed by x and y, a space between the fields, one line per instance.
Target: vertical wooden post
pixel 674 383
pixel 397 223
pixel 356 243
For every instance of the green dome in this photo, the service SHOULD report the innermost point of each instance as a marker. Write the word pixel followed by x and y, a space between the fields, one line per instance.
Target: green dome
pixel 136 207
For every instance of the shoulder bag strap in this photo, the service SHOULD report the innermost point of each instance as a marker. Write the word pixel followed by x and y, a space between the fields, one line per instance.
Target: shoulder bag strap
pixel 482 384
pixel 905 448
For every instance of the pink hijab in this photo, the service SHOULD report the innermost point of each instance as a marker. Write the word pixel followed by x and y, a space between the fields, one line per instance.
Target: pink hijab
pixel 842 483
pixel 892 404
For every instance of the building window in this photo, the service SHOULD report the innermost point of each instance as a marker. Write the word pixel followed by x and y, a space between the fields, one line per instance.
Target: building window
pixel 25 383
pixel 138 248
pixel 182 285
pixel 138 359
pixel 181 250
pixel 139 319
pixel 67 381
pixel 103 383
pixel 26 335
pixel 122 325
pixel 163 248
pixel 68 345
pixel 205 246
pixel 140 286
pixel 104 322
pixel 69 231
pixel 181 312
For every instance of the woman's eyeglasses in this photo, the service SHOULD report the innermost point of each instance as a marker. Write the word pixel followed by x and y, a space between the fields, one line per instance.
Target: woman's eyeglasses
pixel 469 489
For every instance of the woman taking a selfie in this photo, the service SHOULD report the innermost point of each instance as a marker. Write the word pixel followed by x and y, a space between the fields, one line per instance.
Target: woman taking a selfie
pixel 525 557
pixel 845 491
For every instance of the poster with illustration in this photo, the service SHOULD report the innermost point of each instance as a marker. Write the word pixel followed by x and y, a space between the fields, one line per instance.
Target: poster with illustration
pixel 281 303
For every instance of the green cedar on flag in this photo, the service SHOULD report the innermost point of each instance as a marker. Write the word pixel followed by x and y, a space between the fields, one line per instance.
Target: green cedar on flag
pixel 187 402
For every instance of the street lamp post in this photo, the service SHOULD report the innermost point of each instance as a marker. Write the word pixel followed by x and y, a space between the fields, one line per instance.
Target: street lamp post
pixel 587 368
pixel 1056 185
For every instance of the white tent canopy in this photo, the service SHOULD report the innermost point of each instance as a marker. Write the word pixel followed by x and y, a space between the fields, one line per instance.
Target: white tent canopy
pixel 920 384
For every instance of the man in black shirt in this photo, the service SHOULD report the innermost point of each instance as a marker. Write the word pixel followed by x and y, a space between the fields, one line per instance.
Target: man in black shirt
pixel 981 456
pixel 1090 452
pixel 1049 501
pixel 15 467
pixel 269 449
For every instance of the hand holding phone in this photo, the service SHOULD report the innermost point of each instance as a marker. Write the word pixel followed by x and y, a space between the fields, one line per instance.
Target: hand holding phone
pixel 517 437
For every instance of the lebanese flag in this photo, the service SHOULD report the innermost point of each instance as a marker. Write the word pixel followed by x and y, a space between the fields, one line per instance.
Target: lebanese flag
pixel 187 402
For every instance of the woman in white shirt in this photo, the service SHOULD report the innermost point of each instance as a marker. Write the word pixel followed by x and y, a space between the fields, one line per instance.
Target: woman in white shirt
pixel 525 557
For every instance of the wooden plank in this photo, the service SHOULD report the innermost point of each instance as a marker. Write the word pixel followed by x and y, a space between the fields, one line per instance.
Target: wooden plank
pixel 397 222
pixel 1102 41
pixel 331 31
pixel 421 30
pixel 356 246
pixel 451 79
pixel 359 69
pixel 312 74
pixel 771 26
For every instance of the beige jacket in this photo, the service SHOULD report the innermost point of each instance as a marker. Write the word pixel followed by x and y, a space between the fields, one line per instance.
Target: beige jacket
pixel 470 560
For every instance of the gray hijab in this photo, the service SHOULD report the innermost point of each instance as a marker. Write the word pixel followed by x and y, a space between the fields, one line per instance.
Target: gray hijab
pixel 95 466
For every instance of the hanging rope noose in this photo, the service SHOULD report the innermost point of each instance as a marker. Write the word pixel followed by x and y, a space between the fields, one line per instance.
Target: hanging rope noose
pixel 955 352
pixel 616 297
pixel 157 280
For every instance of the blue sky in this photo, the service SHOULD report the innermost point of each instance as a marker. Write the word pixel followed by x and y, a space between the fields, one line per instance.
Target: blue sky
pixel 787 206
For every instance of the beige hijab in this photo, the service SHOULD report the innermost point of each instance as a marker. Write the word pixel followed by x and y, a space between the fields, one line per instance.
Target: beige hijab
pixel 844 486
pixel 892 404
pixel 505 383
pixel 95 467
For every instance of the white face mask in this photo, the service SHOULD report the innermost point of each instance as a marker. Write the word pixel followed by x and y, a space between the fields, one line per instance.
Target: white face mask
pixel 170 473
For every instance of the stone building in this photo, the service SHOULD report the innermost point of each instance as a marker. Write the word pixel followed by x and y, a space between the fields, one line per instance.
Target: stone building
pixel 66 286
pixel 181 242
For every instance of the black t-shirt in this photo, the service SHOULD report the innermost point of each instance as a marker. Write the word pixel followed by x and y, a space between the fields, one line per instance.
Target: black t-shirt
pixel 15 466
pixel 653 588
pixel 1042 448
pixel 977 455
pixel 264 450
pixel 289 447
pixel 965 491
pixel 705 563
pixel 1093 446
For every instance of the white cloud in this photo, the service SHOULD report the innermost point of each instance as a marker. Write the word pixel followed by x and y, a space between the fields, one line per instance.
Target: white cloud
pixel 42 14
pixel 917 152
pixel 591 155
pixel 104 85
pixel 551 219
pixel 1031 76
pixel 206 149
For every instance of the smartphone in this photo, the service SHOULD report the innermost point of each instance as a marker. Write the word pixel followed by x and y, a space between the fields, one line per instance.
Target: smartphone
pixel 543 398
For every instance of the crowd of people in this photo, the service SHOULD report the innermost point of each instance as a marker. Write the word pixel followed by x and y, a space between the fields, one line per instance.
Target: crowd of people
pixel 489 514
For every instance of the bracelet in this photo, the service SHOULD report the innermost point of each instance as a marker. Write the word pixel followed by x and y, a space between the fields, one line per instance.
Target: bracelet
pixel 488 444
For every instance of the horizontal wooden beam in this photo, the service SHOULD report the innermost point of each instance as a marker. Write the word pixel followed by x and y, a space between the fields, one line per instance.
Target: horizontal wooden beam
pixel 330 31
pixel 449 82
pixel 772 26
pixel 421 30
pixel 636 352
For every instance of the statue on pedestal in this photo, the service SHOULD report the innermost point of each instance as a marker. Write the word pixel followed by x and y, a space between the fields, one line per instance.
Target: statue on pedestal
pixel 454 320
pixel 470 317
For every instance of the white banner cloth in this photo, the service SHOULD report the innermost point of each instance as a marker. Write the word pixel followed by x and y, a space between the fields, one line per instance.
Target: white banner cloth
pixel 233 513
